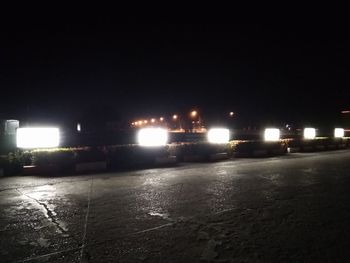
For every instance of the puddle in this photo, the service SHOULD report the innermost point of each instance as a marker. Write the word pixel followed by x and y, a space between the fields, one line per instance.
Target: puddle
pixel 164 216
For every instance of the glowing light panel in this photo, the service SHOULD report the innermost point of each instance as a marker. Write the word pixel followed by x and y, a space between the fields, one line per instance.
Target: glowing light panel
pixel 218 135
pixel 339 133
pixel 39 137
pixel 271 134
pixel 309 133
pixel 152 137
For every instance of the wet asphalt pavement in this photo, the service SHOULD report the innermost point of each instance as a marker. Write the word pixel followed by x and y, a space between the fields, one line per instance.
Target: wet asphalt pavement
pixel 294 208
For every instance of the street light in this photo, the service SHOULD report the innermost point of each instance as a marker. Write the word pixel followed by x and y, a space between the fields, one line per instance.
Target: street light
pixel 232 113
pixel 196 125
pixel 161 119
pixel 153 120
pixel 176 119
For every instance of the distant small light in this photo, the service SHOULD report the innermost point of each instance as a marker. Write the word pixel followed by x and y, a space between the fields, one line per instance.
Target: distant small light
pixel 345 111
pixel 194 113
pixel 161 119
pixel 218 135
pixel 339 132
pixel 309 133
pixel 175 117
pixel 78 127
pixel 272 134
pixel 232 113
pixel 153 120
pixel 145 121
pixel 140 122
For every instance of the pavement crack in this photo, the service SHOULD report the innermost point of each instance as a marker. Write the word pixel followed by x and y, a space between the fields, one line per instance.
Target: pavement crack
pixel 151 229
pixel 48 213
pixel 83 242
pixel 42 257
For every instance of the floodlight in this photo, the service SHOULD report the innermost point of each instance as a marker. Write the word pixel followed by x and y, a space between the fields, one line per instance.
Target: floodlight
pixel 339 133
pixel 309 133
pixel 271 134
pixel 152 137
pixel 218 135
pixel 38 137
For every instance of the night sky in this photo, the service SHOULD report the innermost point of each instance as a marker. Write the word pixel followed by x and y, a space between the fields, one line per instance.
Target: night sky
pixel 62 68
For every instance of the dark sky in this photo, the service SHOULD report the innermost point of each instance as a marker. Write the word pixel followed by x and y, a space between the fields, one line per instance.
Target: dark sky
pixel 62 66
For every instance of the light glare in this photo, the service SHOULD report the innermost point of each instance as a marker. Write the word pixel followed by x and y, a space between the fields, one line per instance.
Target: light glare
pixel 339 133
pixel 152 137
pixel 37 137
pixel 272 134
pixel 218 135
pixel 309 133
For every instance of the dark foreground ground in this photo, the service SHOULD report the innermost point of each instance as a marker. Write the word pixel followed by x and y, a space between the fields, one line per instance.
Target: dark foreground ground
pixel 294 208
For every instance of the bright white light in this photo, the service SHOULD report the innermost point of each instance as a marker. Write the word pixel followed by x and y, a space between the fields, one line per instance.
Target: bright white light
pixel 271 134
pixel 38 137
pixel 339 133
pixel 218 135
pixel 309 133
pixel 152 137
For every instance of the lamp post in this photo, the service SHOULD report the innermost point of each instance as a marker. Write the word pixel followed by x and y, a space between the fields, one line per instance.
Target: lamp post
pixel 176 118
pixel 195 116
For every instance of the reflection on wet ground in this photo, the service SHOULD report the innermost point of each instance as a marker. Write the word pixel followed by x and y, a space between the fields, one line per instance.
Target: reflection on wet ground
pixel 293 208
